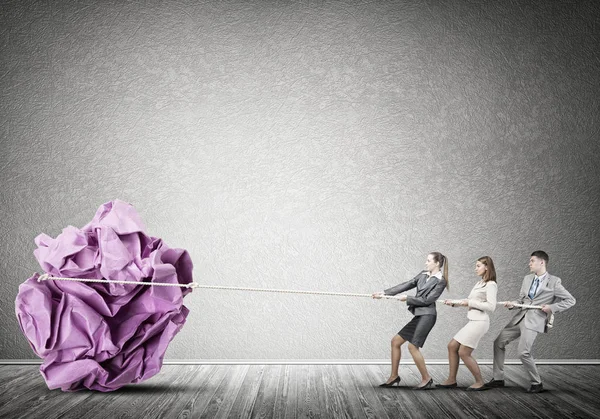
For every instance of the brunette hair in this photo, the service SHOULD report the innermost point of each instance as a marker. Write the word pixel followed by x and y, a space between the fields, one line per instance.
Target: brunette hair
pixel 540 254
pixel 443 260
pixel 490 273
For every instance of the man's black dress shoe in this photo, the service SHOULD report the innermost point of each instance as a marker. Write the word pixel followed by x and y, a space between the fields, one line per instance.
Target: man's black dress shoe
pixel 396 381
pixel 453 385
pixel 494 383
pixel 427 386
pixel 536 388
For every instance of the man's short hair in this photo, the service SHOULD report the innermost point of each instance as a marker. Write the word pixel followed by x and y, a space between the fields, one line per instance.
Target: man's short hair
pixel 540 254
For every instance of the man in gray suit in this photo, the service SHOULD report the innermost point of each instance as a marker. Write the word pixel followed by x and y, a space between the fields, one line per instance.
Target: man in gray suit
pixel 541 289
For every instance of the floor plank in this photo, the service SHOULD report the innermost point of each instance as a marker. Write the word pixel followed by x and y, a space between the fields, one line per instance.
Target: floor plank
pixel 226 393
pixel 287 394
pixel 205 387
pixel 367 397
pixel 244 403
pixel 305 391
pixel 266 397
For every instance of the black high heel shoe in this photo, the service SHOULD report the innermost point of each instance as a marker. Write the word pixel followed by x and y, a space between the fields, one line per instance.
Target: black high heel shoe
pixel 427 386
pixel 396 381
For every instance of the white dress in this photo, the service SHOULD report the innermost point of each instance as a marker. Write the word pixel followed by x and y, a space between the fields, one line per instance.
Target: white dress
pixel 482 302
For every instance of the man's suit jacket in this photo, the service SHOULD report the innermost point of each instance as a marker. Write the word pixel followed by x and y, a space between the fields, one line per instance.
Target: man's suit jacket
pixel 550 292
pixel 427 292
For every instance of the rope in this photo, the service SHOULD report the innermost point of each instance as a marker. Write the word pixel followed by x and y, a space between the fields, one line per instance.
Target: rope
pixel 520 305
pixel 500 303
pixel 342 294
pixel 46 277
pixel 194 285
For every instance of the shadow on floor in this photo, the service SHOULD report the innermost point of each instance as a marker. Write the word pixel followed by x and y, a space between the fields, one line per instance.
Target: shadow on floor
pixel 155 389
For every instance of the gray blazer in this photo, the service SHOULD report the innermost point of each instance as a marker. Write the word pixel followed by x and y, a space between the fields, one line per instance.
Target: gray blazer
pixel 550 292
pixel 427 293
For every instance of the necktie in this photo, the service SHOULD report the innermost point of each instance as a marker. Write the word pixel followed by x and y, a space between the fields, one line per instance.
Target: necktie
pixel 534 287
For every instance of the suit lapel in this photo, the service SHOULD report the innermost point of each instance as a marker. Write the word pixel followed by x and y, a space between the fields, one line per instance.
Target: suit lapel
pixel 527 281
pixel 541 286
pixel 421 282
pixel 431 283
pixel 545 285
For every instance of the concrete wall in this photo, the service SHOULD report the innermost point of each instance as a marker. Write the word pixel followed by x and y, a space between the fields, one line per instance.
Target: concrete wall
pixel 322 146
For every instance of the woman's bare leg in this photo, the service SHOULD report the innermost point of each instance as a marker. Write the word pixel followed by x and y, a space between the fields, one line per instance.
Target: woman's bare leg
pixel 453 347
pixel 397 342
pixel 465 354
pixel 420 363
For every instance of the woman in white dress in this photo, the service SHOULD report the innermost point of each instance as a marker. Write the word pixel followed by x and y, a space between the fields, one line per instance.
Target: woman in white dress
pixel 481 303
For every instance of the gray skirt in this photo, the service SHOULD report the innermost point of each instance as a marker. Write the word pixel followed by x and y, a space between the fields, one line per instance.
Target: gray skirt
pixel 417 329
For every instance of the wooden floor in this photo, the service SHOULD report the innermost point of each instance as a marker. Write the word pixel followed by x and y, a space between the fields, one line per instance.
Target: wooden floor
pixel 298 391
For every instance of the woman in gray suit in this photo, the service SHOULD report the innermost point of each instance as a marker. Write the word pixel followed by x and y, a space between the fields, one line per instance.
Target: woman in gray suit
pixel 429 284
pixel 481 303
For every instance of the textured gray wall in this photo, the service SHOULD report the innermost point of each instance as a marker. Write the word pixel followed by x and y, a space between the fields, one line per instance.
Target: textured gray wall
pixel 322 146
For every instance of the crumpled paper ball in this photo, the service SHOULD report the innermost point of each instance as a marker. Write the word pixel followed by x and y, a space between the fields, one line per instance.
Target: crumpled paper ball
pixel 102 336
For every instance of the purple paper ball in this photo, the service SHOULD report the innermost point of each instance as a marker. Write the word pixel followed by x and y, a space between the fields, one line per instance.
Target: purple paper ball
pixel 102 336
